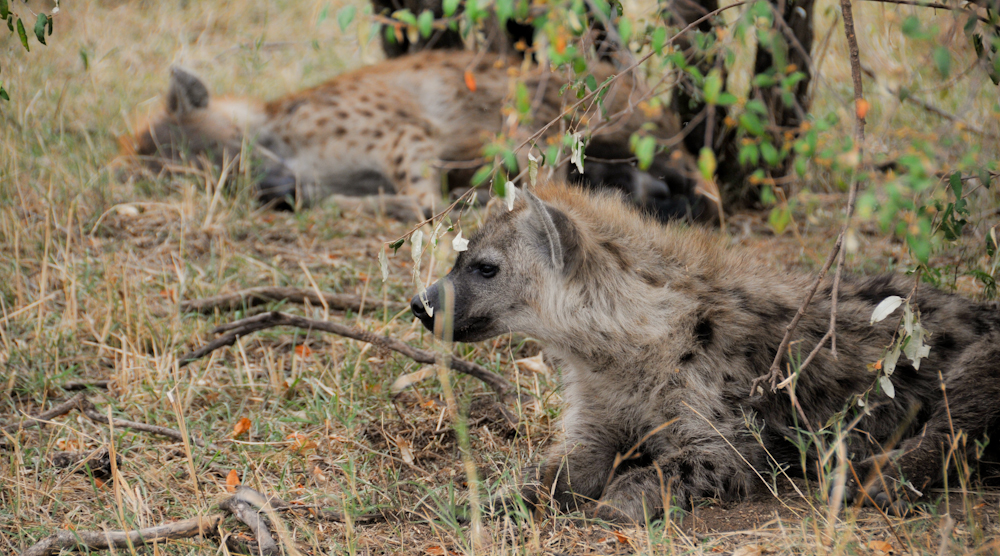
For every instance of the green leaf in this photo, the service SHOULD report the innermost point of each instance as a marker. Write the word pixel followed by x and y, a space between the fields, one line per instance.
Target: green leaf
pixel 911 26
pixel 624 29
pixel 3 93
pixel 4 10
pixel 449 7
pixel 85 59
pixel 345 16
pixel 591 82
pixel 800 166
pixel 500 188
pixel 769 153
pixel 397 244
pixel 22 34
pixel 406 16
pixel 706 163
pixel 425 23
pixel 323 14
pixel 659 39
pixel 920 246
pixel 40 25
pixel 482 175
pixel 955 180
pixel 726 99
pixel 749 154
pixel 779 219
pixel 713 86
pixel 522 98
pixel 645 148
pixel 942 59
pixel 752 124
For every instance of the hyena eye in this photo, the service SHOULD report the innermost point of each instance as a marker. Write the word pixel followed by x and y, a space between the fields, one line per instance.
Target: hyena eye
pixel 486 270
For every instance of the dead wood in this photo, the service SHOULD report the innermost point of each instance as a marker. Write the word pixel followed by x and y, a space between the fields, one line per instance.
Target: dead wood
pixel 259 296
pixel 91 412
pixel 85 385
pixel 232 331
pixel 102 540
pixel 244 506
pixel 41 418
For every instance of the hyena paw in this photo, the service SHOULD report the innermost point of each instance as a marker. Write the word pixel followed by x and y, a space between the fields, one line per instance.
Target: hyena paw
pixel 885 491
pixel 610 512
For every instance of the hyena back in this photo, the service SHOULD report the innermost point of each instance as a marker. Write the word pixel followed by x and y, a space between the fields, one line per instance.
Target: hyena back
pixel 385 128
pixel 660 332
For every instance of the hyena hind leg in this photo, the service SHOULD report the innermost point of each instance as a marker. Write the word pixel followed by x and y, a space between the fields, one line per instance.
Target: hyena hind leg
pixel 972 388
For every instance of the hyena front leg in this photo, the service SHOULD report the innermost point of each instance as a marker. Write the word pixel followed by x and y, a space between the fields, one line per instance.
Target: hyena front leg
pixel 972 388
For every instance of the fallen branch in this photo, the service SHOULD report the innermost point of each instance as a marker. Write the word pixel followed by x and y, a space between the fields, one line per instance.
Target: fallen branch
pixel 259 296
pixel 234 330
pixel 102 540
pixel 84 385
pixel 243 505
pixel 91 412
pixel 41 418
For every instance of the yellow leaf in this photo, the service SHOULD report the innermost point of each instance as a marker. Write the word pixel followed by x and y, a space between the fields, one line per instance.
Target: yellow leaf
pixel 232 480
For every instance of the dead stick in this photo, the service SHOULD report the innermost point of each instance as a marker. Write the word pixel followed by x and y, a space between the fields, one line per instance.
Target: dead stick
pixel 274 318
pixel 41 418
pixel 259 296
pixel 94 415
pixel 102 540
pixel 242 505
pixel 83 385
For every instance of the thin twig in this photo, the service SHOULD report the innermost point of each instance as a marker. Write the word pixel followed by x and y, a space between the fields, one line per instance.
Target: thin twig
pixel 774 372
pixel 253 297
pixel 102 540
pixel 272 319
pixel 41 418
pixel 934 5
pixel 84 385
pixel 91 412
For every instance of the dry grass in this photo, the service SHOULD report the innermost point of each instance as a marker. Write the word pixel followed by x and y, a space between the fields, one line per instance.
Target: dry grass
pixel 92 267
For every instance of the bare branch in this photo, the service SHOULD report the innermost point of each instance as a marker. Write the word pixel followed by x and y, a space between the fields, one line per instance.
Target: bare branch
pixel 259 296
pixel 242 507
pixel 102 540
pixel 41 418
pixel 91 412
pixel 234 330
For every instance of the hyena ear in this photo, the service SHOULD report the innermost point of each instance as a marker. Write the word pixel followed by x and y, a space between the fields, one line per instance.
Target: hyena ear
pixel 558 232
pixel 187 92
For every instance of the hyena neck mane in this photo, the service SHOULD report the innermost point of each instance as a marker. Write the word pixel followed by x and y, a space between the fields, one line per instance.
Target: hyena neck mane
pixel 663 279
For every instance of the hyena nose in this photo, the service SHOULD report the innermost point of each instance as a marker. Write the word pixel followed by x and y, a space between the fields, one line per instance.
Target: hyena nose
pixel 417 306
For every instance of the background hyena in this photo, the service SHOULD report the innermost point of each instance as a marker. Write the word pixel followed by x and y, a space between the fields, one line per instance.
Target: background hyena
pixel 380 129
pixel 663 326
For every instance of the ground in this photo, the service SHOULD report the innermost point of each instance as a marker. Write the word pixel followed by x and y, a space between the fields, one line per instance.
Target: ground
pixel 94 260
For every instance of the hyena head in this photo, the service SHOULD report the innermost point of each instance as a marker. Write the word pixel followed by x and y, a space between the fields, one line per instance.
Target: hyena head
pixel 510 278
pixel 192 127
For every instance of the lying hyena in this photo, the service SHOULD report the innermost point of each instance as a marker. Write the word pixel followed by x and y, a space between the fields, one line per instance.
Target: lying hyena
pixel 661 330
pixel 380 129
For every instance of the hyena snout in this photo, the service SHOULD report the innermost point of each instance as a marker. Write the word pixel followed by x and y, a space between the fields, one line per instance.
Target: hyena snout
pixel 424 306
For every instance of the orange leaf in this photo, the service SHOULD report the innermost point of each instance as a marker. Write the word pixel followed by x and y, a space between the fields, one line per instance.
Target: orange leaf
pixel 98 482
pixel 242 426
pixel 232 480
pixel 560 44
pixel 621 538
pixel 470 81
pixel 862 107
pixel 300 442
pixel 303 350
pixel 881 546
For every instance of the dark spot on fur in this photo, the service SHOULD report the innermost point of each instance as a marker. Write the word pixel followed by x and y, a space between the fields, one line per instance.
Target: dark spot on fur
pixel 342 115
pixel 703 332
pixel 378 133
pixel 651 279
pixel 364 98
pixel 945 342
pixel 402 113
pixel 400 176
pixel 874 290
pixel 687 357
pixel 320 122
pixel 381 107
pixel 616 253
pixel 365 113
pixel 398 161
pixel 340 132
pixel 291 108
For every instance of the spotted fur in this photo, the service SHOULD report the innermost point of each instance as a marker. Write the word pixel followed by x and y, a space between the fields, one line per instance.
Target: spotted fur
pixel 382 129
pixel 659 332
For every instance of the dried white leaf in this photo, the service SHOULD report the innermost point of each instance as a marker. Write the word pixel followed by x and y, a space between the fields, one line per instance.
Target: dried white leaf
pixel 508 194
pixel 887 386
pixel 405 450
pixel 460 244
pixel 409 379
pixel 532 169
pixel 576 156
pixel 427 304
pixel 417 244
pixel 885 308
pixel 383 263
pixel 535 365
pixel 891 358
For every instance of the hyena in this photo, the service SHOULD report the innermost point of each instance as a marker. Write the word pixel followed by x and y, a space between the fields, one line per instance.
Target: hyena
pixel 660 331
pixel 385 128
